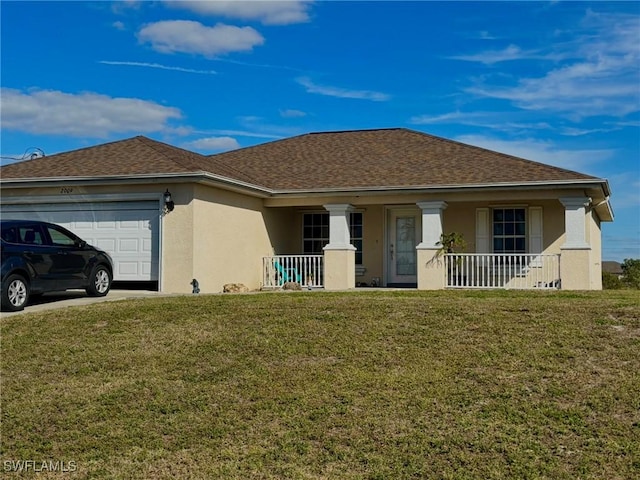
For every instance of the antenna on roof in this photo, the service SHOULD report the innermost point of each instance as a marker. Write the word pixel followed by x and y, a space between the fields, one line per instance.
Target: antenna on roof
pixel 29 154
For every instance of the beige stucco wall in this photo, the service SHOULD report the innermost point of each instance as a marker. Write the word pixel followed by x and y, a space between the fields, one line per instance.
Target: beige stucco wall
pixel 177 254
pixel 373 244
pixel 595 240
pixel 218 236
pixel 230 238
pixel 575 269
pixel 461 217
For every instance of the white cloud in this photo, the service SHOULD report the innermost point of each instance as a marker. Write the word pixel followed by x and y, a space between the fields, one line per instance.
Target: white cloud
pixel 83 114
pixel 598 76
pixel 158 66
pixel 341 92
pixel 264 11
pixel 512 52
pixel 541 151
pixel 187 36
pixel 123 6
pixel 118 25
pixel 451 117
pixel 496 121
pixel 291 113
pixel 237 133
pixel 213 144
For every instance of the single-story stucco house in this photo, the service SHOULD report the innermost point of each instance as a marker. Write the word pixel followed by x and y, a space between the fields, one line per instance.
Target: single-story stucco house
pixel 332 210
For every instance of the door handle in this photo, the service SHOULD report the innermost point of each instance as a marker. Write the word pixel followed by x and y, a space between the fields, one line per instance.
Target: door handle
pixel 392 251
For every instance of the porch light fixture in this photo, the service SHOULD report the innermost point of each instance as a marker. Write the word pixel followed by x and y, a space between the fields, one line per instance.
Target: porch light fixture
pixel 169 204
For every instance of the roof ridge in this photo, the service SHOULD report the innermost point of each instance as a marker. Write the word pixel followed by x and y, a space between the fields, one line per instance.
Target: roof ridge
pixel 75 150
pixel 520 159
pixel 154 144
pixel 271 142
pixel 357 130
pixel 151 143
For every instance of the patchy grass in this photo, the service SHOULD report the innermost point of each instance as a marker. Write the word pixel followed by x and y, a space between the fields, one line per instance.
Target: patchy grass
pixel 366 385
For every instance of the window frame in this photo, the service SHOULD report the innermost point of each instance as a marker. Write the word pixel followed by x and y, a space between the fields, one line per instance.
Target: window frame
pixel 509 229
pixel 356 241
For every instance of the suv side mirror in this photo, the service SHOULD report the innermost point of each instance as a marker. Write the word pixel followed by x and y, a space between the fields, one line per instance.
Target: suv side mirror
pixel 81 243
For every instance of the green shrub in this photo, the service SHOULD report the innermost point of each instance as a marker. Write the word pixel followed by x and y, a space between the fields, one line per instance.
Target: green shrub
pixel 631 270
pixel 611 281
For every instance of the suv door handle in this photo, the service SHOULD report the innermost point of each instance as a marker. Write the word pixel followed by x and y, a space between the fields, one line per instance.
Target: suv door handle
pixel 63 252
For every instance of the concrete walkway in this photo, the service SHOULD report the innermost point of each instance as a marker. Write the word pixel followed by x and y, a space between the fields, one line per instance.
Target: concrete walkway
pixel 56 300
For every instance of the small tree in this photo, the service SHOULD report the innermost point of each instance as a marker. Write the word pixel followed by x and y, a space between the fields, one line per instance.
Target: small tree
pixel 452 243
pixel 631 271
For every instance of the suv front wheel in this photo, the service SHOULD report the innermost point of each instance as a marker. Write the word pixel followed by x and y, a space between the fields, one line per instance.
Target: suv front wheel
pixel 100 282
pixel 15 293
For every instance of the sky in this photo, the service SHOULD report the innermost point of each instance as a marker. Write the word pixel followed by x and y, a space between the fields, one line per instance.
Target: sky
pixel 554 82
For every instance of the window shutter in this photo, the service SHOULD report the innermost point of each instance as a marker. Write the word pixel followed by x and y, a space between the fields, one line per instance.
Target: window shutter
pixel 483 231
pixel 535 233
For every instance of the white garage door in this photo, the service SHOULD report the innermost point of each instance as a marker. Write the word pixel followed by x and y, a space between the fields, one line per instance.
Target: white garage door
pixel 128 231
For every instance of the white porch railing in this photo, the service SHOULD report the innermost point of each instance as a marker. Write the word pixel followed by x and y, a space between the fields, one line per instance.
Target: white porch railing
pixel 307 270
pixel 517 271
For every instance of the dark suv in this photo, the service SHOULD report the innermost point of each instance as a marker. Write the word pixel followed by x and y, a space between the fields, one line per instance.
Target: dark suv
pixel 39 257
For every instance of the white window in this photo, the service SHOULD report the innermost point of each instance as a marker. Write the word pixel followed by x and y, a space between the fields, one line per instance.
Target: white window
pixel 509 230
pixel 315 233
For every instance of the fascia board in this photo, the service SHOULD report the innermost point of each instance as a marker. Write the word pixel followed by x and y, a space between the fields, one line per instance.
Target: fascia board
pixel 264 192
pixel 198 177
pixel 382 190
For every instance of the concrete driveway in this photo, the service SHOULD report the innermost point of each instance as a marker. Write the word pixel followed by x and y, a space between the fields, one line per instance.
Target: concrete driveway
pixel 55 300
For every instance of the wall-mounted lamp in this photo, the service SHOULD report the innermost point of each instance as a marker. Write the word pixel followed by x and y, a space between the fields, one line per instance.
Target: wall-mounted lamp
pixel 169 204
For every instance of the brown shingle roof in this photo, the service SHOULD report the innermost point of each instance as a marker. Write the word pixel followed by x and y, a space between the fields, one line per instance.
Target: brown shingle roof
pixel 383 158
pixel 130 157
pixel 360 159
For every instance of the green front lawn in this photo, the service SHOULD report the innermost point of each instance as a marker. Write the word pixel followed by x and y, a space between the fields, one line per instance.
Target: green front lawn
pixel 388 385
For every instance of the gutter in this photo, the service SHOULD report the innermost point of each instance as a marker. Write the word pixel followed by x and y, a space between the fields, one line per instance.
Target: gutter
pixel 146 179
pixel 246 188
pixel 249 187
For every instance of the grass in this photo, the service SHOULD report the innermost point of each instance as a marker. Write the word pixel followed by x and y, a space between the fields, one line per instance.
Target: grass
pixel 366 385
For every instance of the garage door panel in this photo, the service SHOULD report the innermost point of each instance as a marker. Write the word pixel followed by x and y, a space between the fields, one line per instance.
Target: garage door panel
pixel 131 225
pixel 128 231
pixel 128 245
pixel 106 244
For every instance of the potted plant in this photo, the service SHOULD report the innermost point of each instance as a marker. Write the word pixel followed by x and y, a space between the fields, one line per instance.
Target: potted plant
pixel 453 242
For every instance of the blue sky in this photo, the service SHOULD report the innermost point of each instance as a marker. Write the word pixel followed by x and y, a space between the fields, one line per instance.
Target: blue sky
pixel 555 82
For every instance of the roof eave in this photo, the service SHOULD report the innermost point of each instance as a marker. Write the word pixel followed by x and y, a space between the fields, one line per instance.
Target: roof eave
pixel 578 183
pixel 197 177
pixel 603 207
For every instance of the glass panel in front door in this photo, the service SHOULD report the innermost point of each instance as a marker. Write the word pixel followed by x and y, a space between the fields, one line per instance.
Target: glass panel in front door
pixel 405 261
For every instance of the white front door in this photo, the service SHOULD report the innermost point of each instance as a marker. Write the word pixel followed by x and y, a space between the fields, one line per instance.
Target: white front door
pixel 404 231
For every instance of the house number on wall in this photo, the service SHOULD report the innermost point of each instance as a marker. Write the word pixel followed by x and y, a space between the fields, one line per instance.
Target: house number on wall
pixel 66 190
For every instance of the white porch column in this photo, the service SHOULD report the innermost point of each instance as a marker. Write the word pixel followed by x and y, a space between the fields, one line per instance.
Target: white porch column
pixel 575 254
pixel 575 221
pixel 431 271
pixel 339 254
pixel 431 224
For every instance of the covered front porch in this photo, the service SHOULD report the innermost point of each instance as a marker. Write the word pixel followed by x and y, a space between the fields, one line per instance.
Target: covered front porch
pixel 485 271
pixel 526 245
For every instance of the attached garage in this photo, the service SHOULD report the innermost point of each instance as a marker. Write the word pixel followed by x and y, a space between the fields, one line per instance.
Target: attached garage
pixel 128 230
